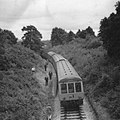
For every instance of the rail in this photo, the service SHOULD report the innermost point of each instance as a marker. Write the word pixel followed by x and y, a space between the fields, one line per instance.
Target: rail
pixel 93 108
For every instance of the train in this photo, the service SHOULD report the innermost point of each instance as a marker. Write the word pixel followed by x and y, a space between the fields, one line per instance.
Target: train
pixel 68 85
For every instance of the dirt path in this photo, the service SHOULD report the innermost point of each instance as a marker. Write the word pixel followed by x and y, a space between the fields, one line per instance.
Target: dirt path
pixel 40 75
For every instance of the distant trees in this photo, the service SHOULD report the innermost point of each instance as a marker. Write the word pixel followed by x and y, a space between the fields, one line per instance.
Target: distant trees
pixel 90 31
pixel 58 36
pixel 110 33
pixel 7 38
pixel 70 36
pixel 78 33
pixel 84 33
pixel 32 38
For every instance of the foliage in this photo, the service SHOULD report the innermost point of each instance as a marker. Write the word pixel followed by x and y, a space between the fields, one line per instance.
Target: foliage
pixel 110 33
pixel 100 75
pixel 78 33
pixel 103 86
pixel 7 38
pixel 90 31
pixel 80 56
pixel 21 94
pixel 58 36
pixel 32 38
pixel 111 102
pixel 3 62
pixel 23 97
pixel 84 33
pixel 70 36
pixel 17 57
pixel 94 44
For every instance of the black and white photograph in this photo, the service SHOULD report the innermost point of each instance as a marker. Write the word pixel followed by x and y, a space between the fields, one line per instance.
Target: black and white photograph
pixel 59 60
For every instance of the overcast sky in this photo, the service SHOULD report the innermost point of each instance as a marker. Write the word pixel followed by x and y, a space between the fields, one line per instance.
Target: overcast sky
pixel 47 14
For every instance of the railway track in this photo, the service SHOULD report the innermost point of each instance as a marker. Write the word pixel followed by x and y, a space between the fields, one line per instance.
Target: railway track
pixel 72 113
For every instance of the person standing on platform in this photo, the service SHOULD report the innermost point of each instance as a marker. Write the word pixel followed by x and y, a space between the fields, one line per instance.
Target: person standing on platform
pixel 45 66
pixel 46 81
pixel 50 75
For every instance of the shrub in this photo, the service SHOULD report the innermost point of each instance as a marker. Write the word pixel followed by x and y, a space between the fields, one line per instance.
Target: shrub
pixel 22 96
pixel 94 44
pixel 112 103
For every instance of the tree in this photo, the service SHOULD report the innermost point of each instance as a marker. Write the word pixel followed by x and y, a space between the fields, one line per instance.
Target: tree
pixel 117 7
pixel 90 31
pixel 58 36
pixel 32 38
pixel 84 33
pixel 78 33
pixel 110 33
pixel 7 38
pixel 2 59
pixel 70 36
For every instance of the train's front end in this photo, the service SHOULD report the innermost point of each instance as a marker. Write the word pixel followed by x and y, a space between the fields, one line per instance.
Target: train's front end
pixel 70 84
pixel 71 91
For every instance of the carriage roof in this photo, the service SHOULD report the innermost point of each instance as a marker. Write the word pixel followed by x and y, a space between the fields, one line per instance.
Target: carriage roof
pixel 66 71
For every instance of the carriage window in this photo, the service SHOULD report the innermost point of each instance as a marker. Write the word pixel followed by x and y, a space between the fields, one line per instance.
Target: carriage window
pixel 78 87
pixel 70 87
pixel 63 88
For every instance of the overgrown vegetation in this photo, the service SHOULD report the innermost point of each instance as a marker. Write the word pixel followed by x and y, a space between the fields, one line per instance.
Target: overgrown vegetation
pixel 61 37
pixel 32 38
pixel 110 33
pixel 21 95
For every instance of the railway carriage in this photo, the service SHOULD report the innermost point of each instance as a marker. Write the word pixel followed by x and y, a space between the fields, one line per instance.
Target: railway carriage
pixel 69 83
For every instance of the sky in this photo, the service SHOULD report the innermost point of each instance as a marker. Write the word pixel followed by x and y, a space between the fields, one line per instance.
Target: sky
pixel 47 14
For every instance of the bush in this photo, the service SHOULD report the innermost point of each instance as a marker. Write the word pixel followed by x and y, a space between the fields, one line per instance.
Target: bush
pixel 93 78
pixel 94 44
pixel 103 86
pixel 22 96
pixel 112 103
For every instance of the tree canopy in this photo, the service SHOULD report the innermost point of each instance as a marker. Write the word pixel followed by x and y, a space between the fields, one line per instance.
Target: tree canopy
pixel 84 33
pixel 7 38
pixel 21 94
pixel 58 36
pixel 32 38
pixel 70 36
pixel 110 33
